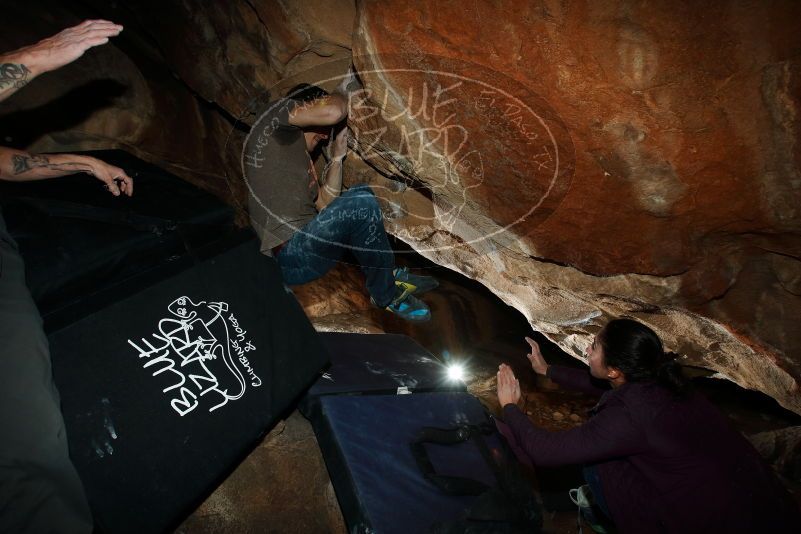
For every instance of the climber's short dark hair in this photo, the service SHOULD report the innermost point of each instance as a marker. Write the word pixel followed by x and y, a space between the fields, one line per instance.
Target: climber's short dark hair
pixel 306 92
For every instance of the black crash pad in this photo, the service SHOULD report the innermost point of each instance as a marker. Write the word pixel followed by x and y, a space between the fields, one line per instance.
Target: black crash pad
pixel 175 345
pixel 377 395
pixel 377 364
pixel 165 391
pixel 77 238
pixel 365 442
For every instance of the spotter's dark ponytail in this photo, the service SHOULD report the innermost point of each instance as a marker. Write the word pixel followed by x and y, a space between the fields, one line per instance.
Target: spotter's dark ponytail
pixel 637 351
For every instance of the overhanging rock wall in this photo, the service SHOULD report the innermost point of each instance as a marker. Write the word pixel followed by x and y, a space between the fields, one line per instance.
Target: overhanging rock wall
pixel 582 159
pixel 589 160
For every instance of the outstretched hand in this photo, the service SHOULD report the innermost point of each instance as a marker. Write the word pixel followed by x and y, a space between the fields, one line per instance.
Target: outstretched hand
pixel 538 363
pixel 508 386
pixel 114 178
pixel 67 45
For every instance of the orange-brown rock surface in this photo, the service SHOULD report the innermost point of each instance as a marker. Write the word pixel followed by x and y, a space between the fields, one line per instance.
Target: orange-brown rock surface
pixel 667 133
pixel 581 159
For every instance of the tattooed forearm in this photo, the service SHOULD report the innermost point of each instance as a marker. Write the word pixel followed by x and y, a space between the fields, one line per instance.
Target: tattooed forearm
pixel 24 163
pixel 13 75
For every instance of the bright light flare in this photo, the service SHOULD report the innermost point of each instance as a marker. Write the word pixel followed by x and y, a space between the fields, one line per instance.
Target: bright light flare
pixel 455 372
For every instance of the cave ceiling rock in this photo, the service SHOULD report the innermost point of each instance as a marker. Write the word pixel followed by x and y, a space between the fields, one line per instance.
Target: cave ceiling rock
pixel 244 50
pixel 673 149
pixel 593 160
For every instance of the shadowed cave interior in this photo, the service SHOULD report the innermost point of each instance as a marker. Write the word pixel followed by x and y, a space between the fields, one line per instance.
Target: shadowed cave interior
pixel 472 325
pixel 602 160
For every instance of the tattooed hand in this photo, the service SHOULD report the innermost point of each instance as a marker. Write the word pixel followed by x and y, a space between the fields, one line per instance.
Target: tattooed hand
pixel 67 46
pixel 115 178
pixel 19 67
pixel 16 165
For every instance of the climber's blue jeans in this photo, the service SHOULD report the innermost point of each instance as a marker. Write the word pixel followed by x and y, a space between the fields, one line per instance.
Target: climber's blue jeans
pixel 352 221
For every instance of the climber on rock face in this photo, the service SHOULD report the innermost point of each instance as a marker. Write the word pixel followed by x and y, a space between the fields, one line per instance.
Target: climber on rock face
pixel 39 488
pixel 306 223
